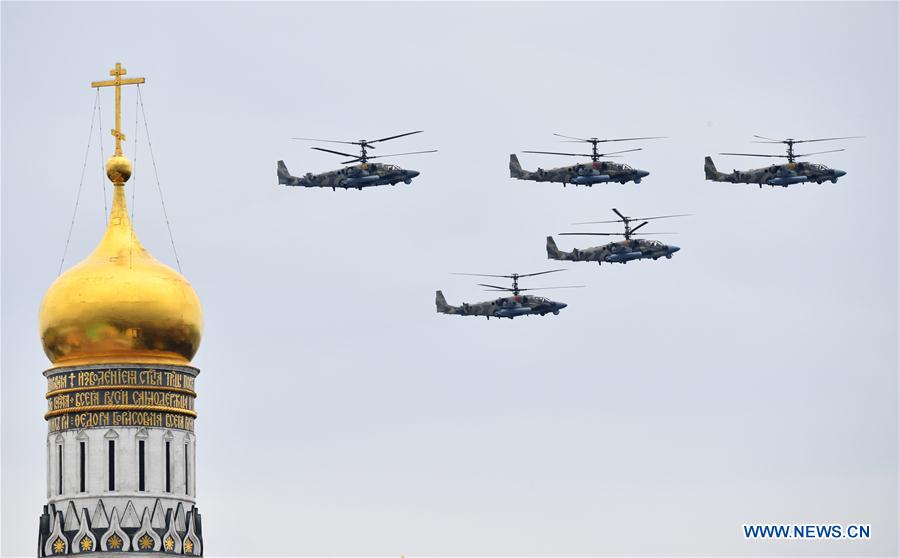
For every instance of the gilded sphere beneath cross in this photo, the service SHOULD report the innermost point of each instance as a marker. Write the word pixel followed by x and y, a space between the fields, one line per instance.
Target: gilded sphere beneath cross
pixel 118 169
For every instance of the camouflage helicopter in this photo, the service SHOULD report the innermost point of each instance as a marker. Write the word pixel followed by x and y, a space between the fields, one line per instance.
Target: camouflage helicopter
pixel 622 251
pixel 359 176
pixel 586 174
pixel 785 174
pixel 507 306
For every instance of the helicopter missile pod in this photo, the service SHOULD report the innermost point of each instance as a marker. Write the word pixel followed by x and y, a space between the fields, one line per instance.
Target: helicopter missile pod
pixel 506 306
pixel 785 174
pixel 622 251
pixel 583 174
pixel 358 176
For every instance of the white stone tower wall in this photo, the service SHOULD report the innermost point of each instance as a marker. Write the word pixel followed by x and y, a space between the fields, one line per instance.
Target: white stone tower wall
pixel 126 467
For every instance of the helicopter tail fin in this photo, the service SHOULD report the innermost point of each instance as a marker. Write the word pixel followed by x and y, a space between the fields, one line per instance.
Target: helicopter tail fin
pixel 554 253
pixel 515 169
pixel 710 169
pixel 284 177
pixel 441 303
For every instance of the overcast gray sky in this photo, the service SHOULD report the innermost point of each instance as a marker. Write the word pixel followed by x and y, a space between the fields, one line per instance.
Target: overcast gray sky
pixel 752 378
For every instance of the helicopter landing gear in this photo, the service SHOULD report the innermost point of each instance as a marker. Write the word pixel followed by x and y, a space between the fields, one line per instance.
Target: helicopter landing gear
pixel 637 180
pixel 555 313
pixel 407 181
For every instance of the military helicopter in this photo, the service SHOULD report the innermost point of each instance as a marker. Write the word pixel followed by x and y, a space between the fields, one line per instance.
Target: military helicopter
pixel 359 176
pixel 507 306
pixel 586 174
pixel 622 251
pixel 785 174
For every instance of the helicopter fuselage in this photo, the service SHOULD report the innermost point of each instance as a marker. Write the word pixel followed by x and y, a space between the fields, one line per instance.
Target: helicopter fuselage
pixel 622 251
pixel 359 176
pixel 582 174
pixel 503 307
pixel 776 175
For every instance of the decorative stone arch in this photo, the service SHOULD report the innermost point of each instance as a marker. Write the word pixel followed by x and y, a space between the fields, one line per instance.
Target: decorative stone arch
pixel 57 543
pixel 84 540
pixel 146 539
pixel 171 539
pixel 191 544
pixel 115 539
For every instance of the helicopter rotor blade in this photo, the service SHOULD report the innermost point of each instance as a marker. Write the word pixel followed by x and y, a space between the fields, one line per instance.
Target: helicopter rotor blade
pixel 791 140
pixel 817 153
pixel 495 287
pixel 639 226
pixel 399 154
pixel 616 211
pixel 827 139
pixel 558 153
pixel 332 151
pixel 633 219
pixel 546 288
pixel 397 136
pixel 614 152
pixel 510 276
pixel 615 234
pixel 351 161
pixel 539 273
pixel 598 222
pixel 769 140
pixel 482 275
pixel 597 140
pixel 328 141
pixel 753 155
pixel 661 217
pixel 633 139
pixel 592 234
pixel 571 137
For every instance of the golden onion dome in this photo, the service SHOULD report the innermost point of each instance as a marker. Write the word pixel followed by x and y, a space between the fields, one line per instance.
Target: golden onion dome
pixel 120 305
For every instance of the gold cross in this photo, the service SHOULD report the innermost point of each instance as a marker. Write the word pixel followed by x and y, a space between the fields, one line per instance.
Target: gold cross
pixel 117 82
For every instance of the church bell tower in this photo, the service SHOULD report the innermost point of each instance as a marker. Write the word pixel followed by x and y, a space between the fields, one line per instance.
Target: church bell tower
pixel 120 329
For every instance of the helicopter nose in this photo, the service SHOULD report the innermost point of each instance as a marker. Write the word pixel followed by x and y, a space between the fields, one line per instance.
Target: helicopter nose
pixel 839 173
pixel 643 173
pixel 412 173
pixel 674 248
pixel 561 305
